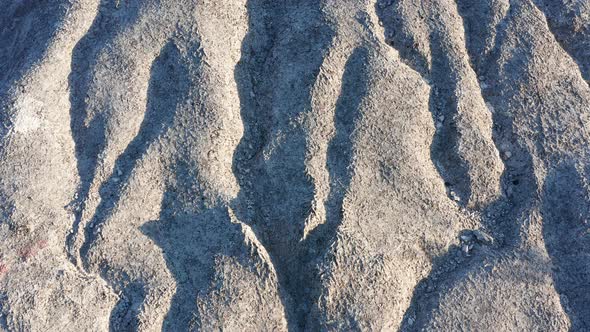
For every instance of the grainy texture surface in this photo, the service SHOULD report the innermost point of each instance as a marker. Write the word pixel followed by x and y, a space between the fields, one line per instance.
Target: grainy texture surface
pixel 297 165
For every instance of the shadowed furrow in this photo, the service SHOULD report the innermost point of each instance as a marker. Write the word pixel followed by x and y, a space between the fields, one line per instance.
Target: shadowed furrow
pixel 297 165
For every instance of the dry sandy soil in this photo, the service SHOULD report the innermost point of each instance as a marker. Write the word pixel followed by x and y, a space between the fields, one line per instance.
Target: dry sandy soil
pixel 295 165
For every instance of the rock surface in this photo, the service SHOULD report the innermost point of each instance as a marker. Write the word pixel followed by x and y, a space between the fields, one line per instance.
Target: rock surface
pixel 297 165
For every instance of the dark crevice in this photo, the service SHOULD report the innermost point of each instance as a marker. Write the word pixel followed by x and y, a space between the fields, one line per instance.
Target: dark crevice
pixel 565 196
pixel 254 93
pixel 572 34
pixel 451 266
pixel 90 138
pixel 443 107
pixel 3 314
pixel 27 29
pixel 520 165
pixel 340 152
pixel 564 201
pixel 281 58
pixel 566 230
pixel 443 80
pixel 168 85
pixel 480 31
pixel 499 218
pixel 398 37
pixel 124 316
pixel 518 181
pixel 191 236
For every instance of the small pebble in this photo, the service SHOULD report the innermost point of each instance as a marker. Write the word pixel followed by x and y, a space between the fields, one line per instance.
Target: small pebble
pixel 483 237
pixel 465 249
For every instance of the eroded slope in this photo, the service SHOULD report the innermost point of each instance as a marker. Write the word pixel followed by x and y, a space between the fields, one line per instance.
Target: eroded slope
pixel 297 165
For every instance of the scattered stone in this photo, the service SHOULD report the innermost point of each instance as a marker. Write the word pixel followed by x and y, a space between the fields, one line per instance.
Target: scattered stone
pixel 483 237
